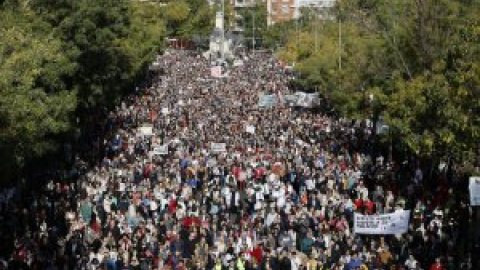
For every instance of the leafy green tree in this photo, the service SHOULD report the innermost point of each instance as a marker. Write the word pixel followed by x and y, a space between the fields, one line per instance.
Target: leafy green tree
pixel 254 23
pixel 35 106
pixel 145 36
pixel 201 21
pixel 177 12
pixel 66 60
pixel 188 18
pixel 276 36
pixel 408 61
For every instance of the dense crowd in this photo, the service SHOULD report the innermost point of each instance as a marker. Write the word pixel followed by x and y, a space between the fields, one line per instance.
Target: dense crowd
pixel 281 196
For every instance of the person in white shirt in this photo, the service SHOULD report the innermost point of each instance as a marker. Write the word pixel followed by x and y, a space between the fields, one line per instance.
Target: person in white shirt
pixel 107 204
pixel 411 263
pixel 295 261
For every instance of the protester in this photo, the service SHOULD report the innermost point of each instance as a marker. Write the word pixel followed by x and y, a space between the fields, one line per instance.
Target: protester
pixel 281 194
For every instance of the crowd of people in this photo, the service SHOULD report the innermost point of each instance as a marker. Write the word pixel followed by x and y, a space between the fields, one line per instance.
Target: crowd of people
pixel 281 194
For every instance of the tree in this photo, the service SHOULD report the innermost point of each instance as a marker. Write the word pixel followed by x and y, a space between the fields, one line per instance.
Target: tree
pixel 176 12
pixel 200 23
pixel 418 60
pixel 35 106
pixel 188 18
pixel 63 61
pixel 276 36
pixel 254 22
pixel 145 38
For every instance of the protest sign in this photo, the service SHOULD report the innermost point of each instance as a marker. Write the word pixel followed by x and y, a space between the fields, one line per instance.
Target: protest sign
pixel 121 187
pixel 160 150
pixel 146 130
pixel 216 71
pixel 474 187
pixel 219 147
pixel 165 110
pixel 267 101
pixel 393 223
pixel 302 99
pixel 250 129
pixel 238 63
pixel 211 163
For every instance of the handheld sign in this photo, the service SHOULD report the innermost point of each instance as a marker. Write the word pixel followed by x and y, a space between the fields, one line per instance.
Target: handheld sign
pixel 219 147
pixel 161 150
pixel 474 187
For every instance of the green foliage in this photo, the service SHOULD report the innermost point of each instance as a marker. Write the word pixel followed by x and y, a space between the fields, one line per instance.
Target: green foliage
pixel 254 22
pixel 419 60
pixel 146 35
pixel 177 11
pixel 34 104
pixel 276 36
pixel 188 18
pixel 58 58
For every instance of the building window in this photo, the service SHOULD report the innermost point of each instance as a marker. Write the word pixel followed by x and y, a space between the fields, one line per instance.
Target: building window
pixel 285 9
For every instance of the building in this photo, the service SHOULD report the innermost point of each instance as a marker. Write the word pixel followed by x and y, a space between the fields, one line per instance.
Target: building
pixel 280 10
pixel 284 10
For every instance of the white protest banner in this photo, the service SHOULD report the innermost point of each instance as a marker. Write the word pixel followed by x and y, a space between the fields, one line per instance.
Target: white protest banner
pixel 146 130
pixel 474 187
pixel 393 223
pixel 160 150
pixel 302 99
pixel 250 129
pixel 219 147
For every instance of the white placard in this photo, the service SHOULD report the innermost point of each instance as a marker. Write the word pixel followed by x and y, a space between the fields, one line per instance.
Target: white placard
pixel 250 129
pixel 165 111
pixel 238 63
pixel 160 150
pixel 121 187
pixel 219 147
pixel 393 223
pixel 216 71
pixel 267 101
pixel 211 163
pixel 474 187
pixel 146 130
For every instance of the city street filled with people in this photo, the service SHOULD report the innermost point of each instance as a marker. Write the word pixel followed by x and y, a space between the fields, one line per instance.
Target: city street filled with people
pixel 195 174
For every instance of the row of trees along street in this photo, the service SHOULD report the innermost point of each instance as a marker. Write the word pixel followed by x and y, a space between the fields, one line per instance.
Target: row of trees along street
pixel 63 63
pixel 412 64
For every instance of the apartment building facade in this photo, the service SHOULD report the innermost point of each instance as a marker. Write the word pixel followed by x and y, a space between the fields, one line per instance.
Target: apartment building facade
pixel 284 10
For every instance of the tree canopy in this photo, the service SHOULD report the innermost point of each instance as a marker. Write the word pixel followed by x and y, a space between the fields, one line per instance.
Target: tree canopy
pixel 188 18
pixel 414 64
pixel 58 58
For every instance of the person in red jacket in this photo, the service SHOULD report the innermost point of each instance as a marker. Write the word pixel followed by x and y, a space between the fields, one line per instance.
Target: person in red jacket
pixel 437 265
pixel 370 207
